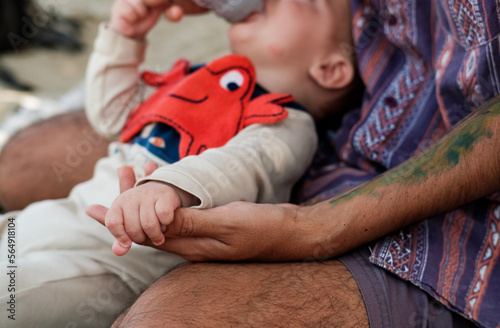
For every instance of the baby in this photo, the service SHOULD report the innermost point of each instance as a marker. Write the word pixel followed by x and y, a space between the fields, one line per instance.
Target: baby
pixel 291 47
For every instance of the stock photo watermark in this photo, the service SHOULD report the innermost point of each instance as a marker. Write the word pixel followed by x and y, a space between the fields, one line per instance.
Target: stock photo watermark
pixel 11 270
pixel 89 310
pixel 75 155
pixel 31 25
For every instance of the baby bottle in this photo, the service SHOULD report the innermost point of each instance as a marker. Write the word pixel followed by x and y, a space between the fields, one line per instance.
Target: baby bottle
pixel 231 10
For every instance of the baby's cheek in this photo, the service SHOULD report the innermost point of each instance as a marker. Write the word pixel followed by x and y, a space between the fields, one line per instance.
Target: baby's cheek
pixel 275 50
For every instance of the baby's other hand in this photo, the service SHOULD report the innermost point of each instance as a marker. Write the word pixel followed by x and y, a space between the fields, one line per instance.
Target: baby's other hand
pixel 176 9
pixel 134 18
pixel 141 212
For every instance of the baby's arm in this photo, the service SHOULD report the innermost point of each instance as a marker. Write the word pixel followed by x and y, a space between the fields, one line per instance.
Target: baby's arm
pixel 144 211
pixel 260 164
pixel 113 79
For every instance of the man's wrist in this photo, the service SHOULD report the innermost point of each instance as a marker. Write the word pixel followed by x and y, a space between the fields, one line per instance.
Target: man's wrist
pixel 342 224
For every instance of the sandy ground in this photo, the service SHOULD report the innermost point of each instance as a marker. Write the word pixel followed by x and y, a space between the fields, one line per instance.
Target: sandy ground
pixel 54 73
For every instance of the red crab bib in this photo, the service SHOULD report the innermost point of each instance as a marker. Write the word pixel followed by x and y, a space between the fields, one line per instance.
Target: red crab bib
pixel 207 107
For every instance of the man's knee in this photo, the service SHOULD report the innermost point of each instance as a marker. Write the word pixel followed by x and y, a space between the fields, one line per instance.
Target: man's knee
pixel 246 295
pixel 46 160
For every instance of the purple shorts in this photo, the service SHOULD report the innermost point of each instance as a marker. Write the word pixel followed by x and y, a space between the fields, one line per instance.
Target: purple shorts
pixel 393 302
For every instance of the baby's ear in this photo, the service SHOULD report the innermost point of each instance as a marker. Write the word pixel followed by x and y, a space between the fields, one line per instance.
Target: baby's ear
pixel 334 71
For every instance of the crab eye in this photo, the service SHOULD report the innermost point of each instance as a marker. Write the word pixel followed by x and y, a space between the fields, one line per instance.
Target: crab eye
pixel 232 81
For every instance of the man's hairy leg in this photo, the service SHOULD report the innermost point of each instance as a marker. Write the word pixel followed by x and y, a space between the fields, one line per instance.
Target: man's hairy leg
pixel 47 159
pixel 312 294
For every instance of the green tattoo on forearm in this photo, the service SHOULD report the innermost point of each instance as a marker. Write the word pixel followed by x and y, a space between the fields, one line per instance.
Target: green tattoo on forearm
pixel 440 157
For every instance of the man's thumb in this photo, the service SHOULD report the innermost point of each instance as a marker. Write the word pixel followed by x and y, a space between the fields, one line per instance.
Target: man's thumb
pixel 190 222
pixel 97 212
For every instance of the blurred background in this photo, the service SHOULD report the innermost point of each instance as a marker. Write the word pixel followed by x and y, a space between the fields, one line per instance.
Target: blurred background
pixel 45 45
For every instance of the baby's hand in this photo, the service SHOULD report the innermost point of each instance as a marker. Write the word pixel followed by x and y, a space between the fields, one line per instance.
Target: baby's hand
pixel 134 18
pixel 176 9
pixel 141 212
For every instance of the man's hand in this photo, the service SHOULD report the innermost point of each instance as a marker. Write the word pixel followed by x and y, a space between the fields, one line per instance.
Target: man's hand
pixel 235 232
pixel 240 231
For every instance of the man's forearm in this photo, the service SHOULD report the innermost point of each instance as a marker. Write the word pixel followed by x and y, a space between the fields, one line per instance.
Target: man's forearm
pixel 463 166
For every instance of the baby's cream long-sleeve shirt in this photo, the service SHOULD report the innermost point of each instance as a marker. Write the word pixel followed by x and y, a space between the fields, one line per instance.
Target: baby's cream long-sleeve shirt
pixel 260 164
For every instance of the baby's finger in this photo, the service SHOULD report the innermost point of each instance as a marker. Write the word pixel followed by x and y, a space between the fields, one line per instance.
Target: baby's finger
pixel 115 224
pixel 164 209
pixel 133 226
pixel 174 13
pixel 140 8
pixel 119 249
pixel 151 224
pixel 126 176
pixel 128 11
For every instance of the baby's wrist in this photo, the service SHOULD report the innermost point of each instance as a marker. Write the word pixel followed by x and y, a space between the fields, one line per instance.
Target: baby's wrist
pixel 186 198
pixel 126 32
